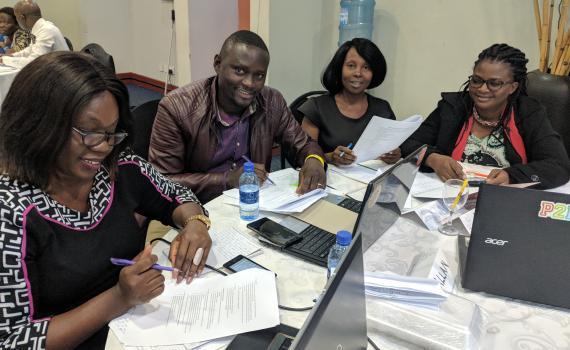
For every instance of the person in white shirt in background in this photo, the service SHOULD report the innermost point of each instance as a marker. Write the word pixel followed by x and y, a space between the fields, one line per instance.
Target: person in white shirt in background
pixel 48 37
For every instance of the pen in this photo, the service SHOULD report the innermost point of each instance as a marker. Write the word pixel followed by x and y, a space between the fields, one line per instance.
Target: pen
pixel 125 262
pixel 249 160
pixel 461 190
pixel 342 152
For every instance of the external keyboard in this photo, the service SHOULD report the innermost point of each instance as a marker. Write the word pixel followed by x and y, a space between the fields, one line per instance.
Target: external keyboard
pixel 314 246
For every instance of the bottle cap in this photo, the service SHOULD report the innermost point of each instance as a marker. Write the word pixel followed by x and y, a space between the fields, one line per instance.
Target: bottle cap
pixel 248 167
pixel 343 237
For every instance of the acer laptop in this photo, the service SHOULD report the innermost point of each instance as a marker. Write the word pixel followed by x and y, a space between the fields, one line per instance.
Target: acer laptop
pixel 519 245
pixel 337 321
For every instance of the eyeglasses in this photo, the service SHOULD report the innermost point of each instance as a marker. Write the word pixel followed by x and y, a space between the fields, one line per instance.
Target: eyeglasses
pixel 95 138
pixel 492 84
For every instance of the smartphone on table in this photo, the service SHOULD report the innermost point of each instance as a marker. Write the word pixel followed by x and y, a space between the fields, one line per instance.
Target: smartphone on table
pixel 240 263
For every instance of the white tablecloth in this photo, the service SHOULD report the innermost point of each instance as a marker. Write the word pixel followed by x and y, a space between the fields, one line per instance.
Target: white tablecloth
pixel 465 321
pixel 7 75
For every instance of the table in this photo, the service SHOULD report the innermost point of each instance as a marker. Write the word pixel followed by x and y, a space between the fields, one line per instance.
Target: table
pixel 7 75
pixel 467 320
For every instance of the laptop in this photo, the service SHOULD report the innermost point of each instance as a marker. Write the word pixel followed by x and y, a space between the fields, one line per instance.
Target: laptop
pixel 519 245
pixel 337 321
pixel 382 205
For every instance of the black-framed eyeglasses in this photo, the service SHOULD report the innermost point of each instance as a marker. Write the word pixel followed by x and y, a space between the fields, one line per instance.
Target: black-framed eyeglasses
pixel 492 84
pixel 95 138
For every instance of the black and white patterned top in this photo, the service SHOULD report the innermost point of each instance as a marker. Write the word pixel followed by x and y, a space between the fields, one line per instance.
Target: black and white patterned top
pixel 55 258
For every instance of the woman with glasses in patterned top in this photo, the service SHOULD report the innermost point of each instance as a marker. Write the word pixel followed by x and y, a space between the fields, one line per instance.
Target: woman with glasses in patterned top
pixel 71 194
pixel 493 122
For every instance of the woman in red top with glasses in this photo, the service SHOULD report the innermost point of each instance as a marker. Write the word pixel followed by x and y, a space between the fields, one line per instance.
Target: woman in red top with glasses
pixel 493 122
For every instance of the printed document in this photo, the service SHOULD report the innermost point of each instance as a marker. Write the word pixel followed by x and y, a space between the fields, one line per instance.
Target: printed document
pixel 384 135
pixel 281 197
pixel 208 308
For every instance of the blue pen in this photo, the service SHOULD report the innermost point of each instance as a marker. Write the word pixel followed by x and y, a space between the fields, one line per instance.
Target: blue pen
pixel 342 152
pixel 249 160
pixel 125 262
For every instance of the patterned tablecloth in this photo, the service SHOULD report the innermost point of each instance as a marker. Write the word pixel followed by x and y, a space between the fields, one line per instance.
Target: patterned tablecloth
pixel 465 321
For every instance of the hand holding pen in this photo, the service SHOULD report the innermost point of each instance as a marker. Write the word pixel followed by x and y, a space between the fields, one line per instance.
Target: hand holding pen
pixel 342 155
pixel 141 281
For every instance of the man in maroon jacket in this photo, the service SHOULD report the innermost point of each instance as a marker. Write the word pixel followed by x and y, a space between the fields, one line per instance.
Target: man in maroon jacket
pixel 203 130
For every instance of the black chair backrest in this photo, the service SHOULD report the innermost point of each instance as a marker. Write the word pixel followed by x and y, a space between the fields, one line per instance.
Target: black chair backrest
pixel 298 102
pixel 100 55
pixel 294 107
pixel 143 116
pixel 554 94
pixel 69 44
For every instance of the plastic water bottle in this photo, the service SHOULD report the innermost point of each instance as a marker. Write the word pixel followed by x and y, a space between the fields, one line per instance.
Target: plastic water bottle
pixel 343 239
pixel 248 193
pixel 356 20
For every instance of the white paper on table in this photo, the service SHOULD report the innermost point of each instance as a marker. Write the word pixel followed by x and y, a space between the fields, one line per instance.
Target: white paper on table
pixel 209 345
pixel 208 308
pixel 355 172
pixel 429 185
pixel 467 219
pixel 477 171
pixel 384 135
pixel 434 213
pixel 280 198
pixel 342 183
pixel 441 273
pixel 227 243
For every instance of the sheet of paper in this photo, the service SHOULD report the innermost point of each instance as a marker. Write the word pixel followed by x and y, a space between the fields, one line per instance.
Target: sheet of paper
pixel 209 345
pixel 384 135
pixel 208 308
pixel 355 172
pixel 281 197
pixel 476 171
pixel 342 183
pixel 435 213
pixel 467 219
pixel 227 243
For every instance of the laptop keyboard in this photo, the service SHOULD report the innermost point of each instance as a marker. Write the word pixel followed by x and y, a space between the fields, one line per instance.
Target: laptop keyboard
pixel 351 204
pixel 314 246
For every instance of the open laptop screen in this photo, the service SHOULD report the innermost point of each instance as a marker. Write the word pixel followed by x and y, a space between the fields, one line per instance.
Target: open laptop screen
pixel 338 321
pixel 385 199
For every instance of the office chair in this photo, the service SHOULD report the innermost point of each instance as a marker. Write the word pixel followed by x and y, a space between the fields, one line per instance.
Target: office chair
pixel 143 116
pixel 100 55
pixel 554 93
pixel 69 44
pixel 298 102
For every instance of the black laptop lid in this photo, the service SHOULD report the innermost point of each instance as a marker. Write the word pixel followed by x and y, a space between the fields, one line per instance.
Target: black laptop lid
pixel 338 320
pixel 519 246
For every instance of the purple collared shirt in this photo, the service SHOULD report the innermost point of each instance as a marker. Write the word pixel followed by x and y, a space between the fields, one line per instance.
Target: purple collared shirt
pixel 233 141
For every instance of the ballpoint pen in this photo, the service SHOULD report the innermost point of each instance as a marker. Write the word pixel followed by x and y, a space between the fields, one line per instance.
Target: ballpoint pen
pixel 249 160
pixel 342 152
pixel 126 262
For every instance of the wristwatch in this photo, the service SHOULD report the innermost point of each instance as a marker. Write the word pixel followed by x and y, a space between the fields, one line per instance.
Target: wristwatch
pixel 200 217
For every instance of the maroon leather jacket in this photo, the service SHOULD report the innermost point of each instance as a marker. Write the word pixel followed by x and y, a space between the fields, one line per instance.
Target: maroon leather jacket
pixel 184 141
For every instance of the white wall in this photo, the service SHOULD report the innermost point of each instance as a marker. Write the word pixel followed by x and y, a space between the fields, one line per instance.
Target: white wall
pixel 300 43
pixel 211 22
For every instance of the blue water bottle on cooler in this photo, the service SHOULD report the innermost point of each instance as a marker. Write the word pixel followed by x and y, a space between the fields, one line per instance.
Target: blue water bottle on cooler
pixel 343 239
pixel 248 193
pixel 356 20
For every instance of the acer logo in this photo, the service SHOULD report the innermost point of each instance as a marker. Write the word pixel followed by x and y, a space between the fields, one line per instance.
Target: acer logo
pixel 495 241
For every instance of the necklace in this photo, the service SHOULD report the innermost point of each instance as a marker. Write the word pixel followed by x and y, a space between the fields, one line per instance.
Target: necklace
pixel 484 122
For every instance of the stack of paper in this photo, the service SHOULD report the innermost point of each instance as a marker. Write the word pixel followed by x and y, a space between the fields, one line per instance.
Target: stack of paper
pixel 281 197
pixel 426 292
pixel 208 308
pixel 410 290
